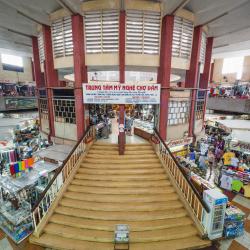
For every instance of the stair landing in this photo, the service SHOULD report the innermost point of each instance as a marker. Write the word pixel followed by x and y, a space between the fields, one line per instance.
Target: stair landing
pixel 109 189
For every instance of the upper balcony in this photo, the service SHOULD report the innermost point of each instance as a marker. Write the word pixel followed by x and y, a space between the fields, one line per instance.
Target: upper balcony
pixel 143 35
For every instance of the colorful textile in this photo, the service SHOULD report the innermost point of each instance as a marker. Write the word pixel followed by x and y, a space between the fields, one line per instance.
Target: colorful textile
pixel 247 191
pixel 227 158
pixel 237 185
pixel 16 167
pixel 20 166
pixel 23 166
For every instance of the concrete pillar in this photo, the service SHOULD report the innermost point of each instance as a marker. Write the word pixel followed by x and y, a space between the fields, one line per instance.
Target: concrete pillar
pixel 192 75
pixel 164 71
pixel 80 71
pixel 51 76
pixel 36 63
pixel 122 40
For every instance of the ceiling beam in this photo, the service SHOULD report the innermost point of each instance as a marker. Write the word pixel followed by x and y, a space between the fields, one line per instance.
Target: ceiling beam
pixel 16 32
pixel 30 18
pixel 66 6
pixel 180 6
pixel 25 12
pixel 224 13
pixel 214 19
pixel 233 31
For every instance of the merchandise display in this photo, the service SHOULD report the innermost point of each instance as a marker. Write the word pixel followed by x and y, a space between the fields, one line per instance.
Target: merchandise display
pixel 234 222
pixel 19 192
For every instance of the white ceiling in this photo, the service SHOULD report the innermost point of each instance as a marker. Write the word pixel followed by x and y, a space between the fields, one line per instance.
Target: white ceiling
pixel 231 32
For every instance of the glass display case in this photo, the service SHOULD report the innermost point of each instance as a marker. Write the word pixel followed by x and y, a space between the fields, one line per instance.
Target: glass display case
pixel 16 223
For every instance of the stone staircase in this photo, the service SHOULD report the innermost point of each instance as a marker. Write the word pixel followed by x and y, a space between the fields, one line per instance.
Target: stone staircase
pixel 110 189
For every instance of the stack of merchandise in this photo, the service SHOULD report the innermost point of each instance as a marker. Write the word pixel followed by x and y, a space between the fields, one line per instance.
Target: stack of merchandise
pixel 234 222
pixel 20 167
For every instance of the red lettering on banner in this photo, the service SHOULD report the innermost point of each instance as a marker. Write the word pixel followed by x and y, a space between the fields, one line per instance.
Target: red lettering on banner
pixel 153 88
pixel 141 87
pixel 128 87
pixel 93 87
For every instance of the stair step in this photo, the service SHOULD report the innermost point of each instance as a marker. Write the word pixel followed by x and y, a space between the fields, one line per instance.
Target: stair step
pixel 110 152
pixel 121 171
pixel 127 148
pixel 122 198
pixel 116 207
pixel 118 161
pixel 93 183
pixel 110 225
pixel 120 190
pixel 106 236
pixel 121 165
pixel 131 216
pixel 122 157
pixel 121 177
pixel 50 240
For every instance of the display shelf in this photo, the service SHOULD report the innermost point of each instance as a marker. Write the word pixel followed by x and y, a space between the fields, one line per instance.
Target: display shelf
pixel 144 125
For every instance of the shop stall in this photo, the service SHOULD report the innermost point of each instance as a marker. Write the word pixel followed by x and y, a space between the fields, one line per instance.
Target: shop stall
pixel 19 192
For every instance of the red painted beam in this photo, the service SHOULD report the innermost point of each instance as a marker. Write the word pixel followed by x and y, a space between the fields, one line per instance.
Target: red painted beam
pixel 51 73
pixel 36 63
pixel 192 75
pixel 211 73
pixel 164 71
pixel 205 76
pixel 80 71
pixel 122 41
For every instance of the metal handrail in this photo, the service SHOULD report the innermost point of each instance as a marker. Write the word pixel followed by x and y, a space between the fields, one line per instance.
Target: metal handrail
pixel 59 170
pixel 204 205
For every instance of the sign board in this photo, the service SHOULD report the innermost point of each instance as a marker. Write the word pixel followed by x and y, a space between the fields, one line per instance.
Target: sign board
pixel 180 142
pixel 115 93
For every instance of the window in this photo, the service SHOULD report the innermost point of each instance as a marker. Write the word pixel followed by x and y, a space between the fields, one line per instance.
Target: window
pixel 233 65
pixel 178 112
pixel 102 31
pixel 12 63
pixel 182 37
pixel 143 32
pixel 62 37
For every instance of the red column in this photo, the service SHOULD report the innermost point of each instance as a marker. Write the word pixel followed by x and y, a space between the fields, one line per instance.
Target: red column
pixel 36 63
pixel 192 75
pixel 51 77
pixel 51 73
pixel 164 71
pixel 211 72
pixel 80 71
pixel 205 76
pixel 122 36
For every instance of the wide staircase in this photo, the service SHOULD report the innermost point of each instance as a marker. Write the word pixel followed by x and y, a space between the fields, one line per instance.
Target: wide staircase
pixel 110 189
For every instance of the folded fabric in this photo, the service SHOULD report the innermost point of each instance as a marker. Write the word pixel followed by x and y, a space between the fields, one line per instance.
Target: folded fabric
pixel 26 163
pixel 30 162
pixel 237 185
pixel 16 167
pixel 20 166
pixel 247 191
pixel 23 165
pixel 12 169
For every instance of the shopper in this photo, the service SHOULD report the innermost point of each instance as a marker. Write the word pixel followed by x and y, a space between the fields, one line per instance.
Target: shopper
pixel 192 155
pixel 211 161
pixel 105 129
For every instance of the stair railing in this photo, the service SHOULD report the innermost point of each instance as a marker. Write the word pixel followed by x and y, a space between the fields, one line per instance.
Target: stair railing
pixel 40 209
pixel 183 183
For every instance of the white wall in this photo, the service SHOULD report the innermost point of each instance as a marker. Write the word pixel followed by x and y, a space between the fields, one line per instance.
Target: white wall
pixel 17 76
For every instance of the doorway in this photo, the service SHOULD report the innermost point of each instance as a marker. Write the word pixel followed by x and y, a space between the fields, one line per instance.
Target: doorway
pixel 139 122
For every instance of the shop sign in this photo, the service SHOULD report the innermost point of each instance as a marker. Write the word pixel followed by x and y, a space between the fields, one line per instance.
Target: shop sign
pixel 180 142
pixel 115 93
pixel 244 147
